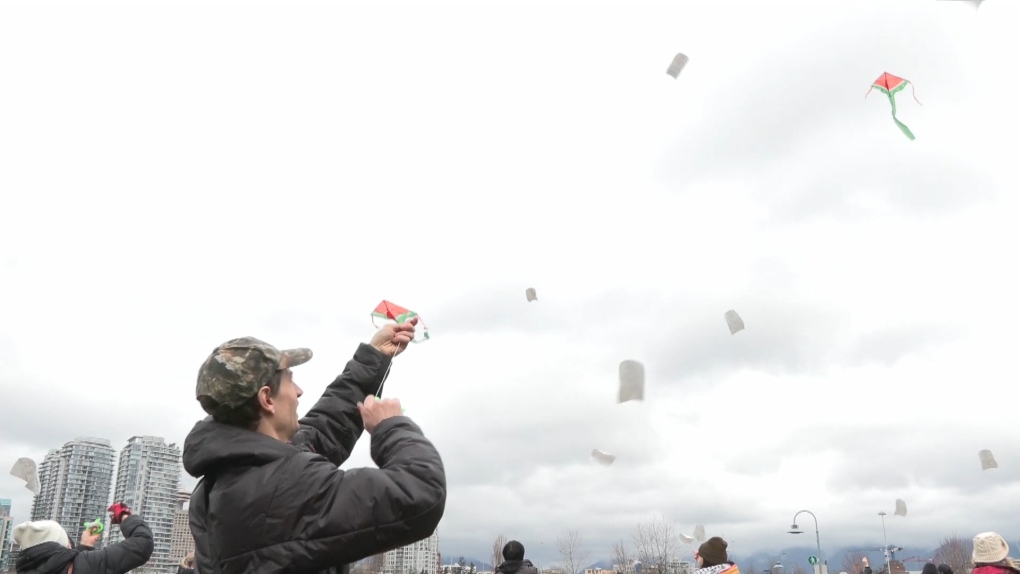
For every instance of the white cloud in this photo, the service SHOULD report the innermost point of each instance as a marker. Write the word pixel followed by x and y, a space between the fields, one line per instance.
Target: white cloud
pixel 176 176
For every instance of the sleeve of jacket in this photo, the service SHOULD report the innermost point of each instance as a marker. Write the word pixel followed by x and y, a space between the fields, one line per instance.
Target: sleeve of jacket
pixel 124 556
pixel 347 516
pixel 333 426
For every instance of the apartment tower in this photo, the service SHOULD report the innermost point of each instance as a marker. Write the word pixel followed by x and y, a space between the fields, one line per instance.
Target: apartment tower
pixel 74 484
pixel 148 480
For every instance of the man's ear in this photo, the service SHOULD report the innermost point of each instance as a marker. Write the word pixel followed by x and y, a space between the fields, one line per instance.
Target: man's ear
pixel 266 401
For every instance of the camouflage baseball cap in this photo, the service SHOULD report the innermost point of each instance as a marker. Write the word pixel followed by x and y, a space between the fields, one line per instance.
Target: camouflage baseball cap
pixel 237 369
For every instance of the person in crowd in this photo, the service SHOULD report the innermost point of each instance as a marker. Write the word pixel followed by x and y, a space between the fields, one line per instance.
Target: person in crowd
pixel 514 561
pixel 712 558
pixel 991 555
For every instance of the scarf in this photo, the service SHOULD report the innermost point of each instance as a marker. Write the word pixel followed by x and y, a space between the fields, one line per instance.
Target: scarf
pixel 45 558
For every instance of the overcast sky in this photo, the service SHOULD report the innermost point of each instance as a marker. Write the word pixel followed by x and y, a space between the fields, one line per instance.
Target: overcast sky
pixel 174 175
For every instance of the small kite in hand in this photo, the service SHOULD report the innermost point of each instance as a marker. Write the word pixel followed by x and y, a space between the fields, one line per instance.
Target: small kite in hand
pixel 393 312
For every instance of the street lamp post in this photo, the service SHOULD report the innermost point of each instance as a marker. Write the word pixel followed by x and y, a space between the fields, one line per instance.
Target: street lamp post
pixel 779 568
pixel 794 529
pixel 885 549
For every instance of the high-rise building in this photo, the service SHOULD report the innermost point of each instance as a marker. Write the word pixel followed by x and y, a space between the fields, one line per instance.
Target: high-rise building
pixel 74 484
pixel 148 479
pixel 182 542
pixel 422 557
pixel 6 526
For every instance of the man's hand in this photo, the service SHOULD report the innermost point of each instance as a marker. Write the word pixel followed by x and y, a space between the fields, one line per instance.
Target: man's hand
pixel 89 539
pixel 393 339
pixel 374 411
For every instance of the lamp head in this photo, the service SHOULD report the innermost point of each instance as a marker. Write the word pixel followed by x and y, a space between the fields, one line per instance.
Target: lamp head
pixel 794 529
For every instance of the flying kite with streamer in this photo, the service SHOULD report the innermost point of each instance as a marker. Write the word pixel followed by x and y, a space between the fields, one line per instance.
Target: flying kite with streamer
pixel 394 312
pixel 890 85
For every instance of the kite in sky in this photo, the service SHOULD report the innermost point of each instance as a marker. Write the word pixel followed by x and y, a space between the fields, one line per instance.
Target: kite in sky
pixel 987 460
pixel 530 294
pixel 699 532
pixel 734 322
pixel 677 66
pixel 25 469
pixel 632 381
pixel 603 458
pixel 889 85
pixel 393 312
pixel 901 507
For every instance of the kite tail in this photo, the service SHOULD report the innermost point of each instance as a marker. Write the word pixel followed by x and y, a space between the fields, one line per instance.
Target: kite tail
pixel 903 128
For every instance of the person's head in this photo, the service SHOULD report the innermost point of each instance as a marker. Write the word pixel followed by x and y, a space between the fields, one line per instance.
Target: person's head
pixel 248 383
pixel 930 568
pixel 945 569
pixel 513 550
pixel 989 548
pixel 29 534
pixel 711 553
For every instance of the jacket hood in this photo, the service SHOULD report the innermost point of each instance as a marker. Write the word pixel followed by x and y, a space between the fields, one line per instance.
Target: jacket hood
pixel 212 446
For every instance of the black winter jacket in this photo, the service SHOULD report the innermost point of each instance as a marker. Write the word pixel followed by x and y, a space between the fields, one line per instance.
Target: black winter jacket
pixel 264 506
pixel 124 556
pixel 517 567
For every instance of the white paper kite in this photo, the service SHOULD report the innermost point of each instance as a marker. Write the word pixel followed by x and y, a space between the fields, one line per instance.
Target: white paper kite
pixel 901 507
pixel 987 460
pixel 632 381
pixel 677 65
pixel 25 469
pixel 686 539
pixel 734 322
pixel 699 532
pixel 530 294
pixel 603 458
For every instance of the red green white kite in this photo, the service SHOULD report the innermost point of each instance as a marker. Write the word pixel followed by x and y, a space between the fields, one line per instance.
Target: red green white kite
pixel 394 312
pixel 889 85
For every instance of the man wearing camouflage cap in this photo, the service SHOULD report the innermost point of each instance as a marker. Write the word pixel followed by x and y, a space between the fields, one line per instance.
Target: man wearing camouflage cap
pixel 271 498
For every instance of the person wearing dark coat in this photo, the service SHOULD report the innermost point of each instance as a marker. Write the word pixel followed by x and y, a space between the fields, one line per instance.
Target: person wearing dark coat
pixel 514 561
pixel 271 498
pixel 46 549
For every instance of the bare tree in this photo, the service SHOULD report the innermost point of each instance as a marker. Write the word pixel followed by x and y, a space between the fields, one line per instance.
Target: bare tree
pixel 853 561
pixel 657 543
pixel 956 552
pixel 621 557
pixel 572 552
pixel 497 551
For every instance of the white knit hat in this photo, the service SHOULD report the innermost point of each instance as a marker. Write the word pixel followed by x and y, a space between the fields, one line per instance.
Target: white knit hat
pixel 989 548
pixel 29 534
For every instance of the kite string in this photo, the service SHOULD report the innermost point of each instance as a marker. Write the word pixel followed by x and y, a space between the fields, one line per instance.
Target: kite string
pixel 913 92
